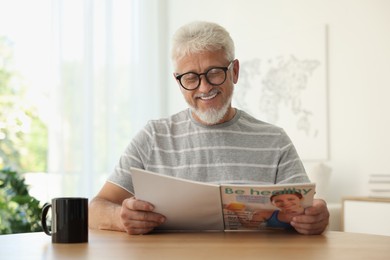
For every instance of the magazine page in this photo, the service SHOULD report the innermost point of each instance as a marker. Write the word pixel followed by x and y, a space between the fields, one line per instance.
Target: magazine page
pixel 187 205
pixel 253 207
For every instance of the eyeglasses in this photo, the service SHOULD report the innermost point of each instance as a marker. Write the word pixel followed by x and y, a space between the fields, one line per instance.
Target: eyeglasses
pixel 214 76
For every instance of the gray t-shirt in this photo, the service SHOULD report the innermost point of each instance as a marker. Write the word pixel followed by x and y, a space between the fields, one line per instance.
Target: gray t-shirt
pixel 243 150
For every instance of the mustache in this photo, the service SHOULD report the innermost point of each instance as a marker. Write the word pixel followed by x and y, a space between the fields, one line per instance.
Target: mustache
pixel 212 92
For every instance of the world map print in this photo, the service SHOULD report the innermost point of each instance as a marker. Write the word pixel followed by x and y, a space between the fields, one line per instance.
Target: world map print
pixel 276 85
pixel 284 91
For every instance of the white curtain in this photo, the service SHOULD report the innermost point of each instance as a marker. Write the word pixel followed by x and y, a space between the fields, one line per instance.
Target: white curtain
pixel 109 75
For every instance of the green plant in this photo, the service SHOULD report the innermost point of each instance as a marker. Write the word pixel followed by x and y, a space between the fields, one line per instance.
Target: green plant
pixel 19 212
pixel 23 133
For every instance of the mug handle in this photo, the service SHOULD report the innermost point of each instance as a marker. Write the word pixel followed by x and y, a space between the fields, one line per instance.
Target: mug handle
pixel 45 209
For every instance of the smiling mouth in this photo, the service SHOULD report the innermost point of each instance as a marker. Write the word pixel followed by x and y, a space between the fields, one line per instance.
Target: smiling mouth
pixel 209 97
pixel 212 94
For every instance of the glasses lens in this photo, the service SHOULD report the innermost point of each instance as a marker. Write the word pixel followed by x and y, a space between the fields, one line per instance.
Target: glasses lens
pixel 216 76
pixel 190 80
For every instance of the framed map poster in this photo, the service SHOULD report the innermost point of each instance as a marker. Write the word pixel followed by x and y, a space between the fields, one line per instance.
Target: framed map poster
pixel 283 81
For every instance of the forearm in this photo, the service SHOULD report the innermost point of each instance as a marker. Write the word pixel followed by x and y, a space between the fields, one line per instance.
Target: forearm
pixel 104 214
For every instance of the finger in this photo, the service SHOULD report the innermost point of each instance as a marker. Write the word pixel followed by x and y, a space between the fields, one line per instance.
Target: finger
pixel 138 228
pixel 312 211
pixel 316 211
pixel 309 224
pixel 133 231
pixel 140 222
pixel 313 214
pixel 133 209
pixel 309 229
pixel 147 216
pixel 319 206
pixel 135 204
pixel 128 215
pixel 319 219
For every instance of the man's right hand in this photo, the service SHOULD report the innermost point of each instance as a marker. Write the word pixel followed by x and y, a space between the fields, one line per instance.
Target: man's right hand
pixel 138 218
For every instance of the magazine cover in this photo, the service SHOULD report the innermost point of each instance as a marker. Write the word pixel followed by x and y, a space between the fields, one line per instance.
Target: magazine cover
pixel 198 206
pixel 264 207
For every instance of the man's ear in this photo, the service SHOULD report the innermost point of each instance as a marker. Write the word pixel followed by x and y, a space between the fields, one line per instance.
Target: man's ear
pixel 236 70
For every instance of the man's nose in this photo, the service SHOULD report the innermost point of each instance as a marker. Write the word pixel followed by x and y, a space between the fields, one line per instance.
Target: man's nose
pixel 204 86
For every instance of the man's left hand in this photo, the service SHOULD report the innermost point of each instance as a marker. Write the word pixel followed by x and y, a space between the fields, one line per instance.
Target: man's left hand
pixel 315 219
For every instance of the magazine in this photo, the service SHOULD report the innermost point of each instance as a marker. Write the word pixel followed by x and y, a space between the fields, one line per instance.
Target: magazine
pixel 198 206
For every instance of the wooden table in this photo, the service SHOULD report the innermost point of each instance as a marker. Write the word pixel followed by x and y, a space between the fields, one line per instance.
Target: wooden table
pixel 261 245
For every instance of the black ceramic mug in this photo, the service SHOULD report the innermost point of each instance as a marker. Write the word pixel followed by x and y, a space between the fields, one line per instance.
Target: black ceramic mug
pixel 69 217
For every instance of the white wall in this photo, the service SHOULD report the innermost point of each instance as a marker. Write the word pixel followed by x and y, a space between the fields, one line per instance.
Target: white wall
pixel 358 72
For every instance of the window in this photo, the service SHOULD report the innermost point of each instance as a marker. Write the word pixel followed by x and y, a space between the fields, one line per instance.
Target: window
pixel 83 64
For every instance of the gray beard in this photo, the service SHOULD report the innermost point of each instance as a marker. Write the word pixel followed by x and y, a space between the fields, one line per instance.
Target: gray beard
pixel 212 116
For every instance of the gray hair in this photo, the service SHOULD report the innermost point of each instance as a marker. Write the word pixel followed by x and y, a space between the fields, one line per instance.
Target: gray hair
pixel 197 37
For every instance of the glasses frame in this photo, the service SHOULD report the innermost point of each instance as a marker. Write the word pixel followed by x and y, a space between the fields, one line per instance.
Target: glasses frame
pixel 225 69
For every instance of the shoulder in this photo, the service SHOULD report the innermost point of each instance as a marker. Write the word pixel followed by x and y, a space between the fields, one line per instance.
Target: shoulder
pixel 249 122
pixel 168 124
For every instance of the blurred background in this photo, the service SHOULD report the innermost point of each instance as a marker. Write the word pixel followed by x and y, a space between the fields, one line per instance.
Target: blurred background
pixel 79 78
